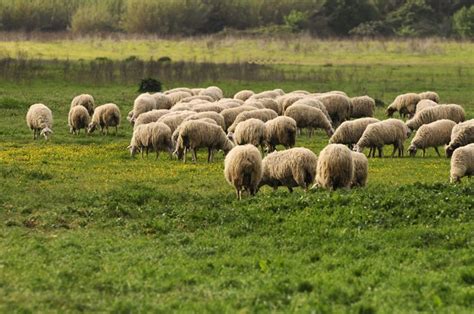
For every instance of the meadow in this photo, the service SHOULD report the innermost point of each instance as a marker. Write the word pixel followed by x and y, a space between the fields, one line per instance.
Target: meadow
pixel 84 227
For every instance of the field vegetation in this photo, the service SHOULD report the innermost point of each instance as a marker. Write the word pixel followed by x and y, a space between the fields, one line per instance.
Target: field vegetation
pixel 83 227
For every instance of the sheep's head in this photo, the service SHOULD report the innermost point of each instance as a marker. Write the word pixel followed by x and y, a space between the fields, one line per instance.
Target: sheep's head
pixel 450 150
pixel 412 150
pixel 330 132
pixel 230 136
pixel 227 147
pixel 46 132
pixel 358 148
pixel 390 111
pixel 91 127
pixel 133 150
pixel 410 126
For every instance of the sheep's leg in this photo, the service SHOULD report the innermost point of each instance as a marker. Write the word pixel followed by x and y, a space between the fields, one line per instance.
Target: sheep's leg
pixel 239 194
pixel 193 150
pixel 310 131
pixel 423 154
pixel 116 129
pixel 209 153
pixel 401 150
pixel 380 149
pixel 437 151
pixel 184 154
pixel 157 154
pixel 290 189
pixel 395 148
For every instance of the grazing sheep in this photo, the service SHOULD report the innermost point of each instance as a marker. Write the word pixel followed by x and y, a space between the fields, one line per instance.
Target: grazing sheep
pixel 85 100
pixel 213 91
pixel 150 116
pixel 195 134
pixel 243 169
pixel 261 114
pixel 434 134
pixel 179 89
pixel 270 103
pixel 430 95
pixel 251 131
pixel 386 132
pixel 286 101
pixel 39 118
pixel 461 135
pixel 77 119
pixel 105 116
pixel 338 107
pixel 313 102
pixel 451 112
pixel 174 136
pixel 335 167
pixel 337 92
pixel 227 103
pixel 174 119
pixel 207 107
pixel 218 118
pixel 423 104
pixel 140 140
pixel 280 131
pixel 177 96
pixel 266 94
pixel 143 103
pixel 182 107
pixel 162 101
pixel 309 117
pixel 129 116
pixel 231 114
pixel 405 104
pixel 360 170
pixel 197 97
pixel 160 139
pixel 363 106
pixel 291 168
pixel 462 163
pixel 244 94
pixel 254 103
pixel 349 132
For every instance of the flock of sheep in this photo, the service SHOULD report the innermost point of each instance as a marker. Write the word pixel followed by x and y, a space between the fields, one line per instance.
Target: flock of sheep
pixel 251 125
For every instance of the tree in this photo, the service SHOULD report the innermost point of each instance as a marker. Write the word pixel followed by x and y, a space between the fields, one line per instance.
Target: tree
pixel 414 18
pixel 463 22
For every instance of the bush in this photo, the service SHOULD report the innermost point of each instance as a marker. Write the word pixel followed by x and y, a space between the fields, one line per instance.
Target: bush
pixel 372 28
pixel 296 21
pixel 149 85
pixel 95 17
pixel 463 22
pixel 414 18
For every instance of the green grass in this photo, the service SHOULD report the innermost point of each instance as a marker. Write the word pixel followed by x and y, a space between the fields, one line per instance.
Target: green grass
pixel 83 227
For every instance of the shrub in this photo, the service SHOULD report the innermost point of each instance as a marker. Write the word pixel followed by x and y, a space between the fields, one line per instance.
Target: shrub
pixel 463 22
pixel 296 21
pixel 94 17
pixel 149 85
pixel 414 18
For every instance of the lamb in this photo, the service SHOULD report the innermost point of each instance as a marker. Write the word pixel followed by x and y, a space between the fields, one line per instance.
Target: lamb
pixel 243 169
pixel 231 114
pixel 405 104
pixel 280 131
pixel 162 101
pixel 85 100
pixel 363 106
pixel 218 118
pixel 423 104
pixel 433 134
pixel 430 95
pixel 349 132
pixel 451 112
pixel 462 163
pixel 335 167
pixel 309 117
pixel 251 131
pixel 39 118
pixel 195 134
pixel 105 116
pixel 78 118
pixel 360 169
pixel 143 103
pixel 244 94
pixel 261 114
pixel 386 132
pixel 461 135
pixel 291 168
pixel 150 116
pixel 338 107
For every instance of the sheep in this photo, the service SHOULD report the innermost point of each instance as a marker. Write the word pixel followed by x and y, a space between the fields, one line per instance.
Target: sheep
pixel 214 92
pixel 105 116
pixel 291 168
pixel 386 132
pixel 433 96
pixel 194 134
pixel 207 107
pixel 78 118
pixel 182 107
pixel 243 169
pixel 218 118
pixel 270 103
pixel 140 140
pixel 462 163
pixel 174 136
pixel 244 94
pixel 336 92
pixel 461 135
pixel 174 119
pixel 313 102
pixel 196 91
pixel 286 101
pixel 85 100
pixel 423 104
pixel 335 167
pixel 360 169
pixel 349 132
pixel 129 116
pixel 338 107
pixel 433 134
pixel 162 101
pixel 280 131
pixel 266 94
pixel 405 104
pixel 179 89
pixel 143 103
pixel 160 139
pixel 363 106
pixel 230 103
pixel 177 96
pixel 251 131
pixel 198 97
pixel 39 118
pixel 254 103
pixel 309 117
pixel 261 114
pixel 232 113
pixel 150 116
pixel 451 112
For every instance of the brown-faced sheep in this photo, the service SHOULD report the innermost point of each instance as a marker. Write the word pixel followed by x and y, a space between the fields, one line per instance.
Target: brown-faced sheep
pixel 451 112
pixel 335 167
pixel 434 134
pixel 280 131
pixel 462 163
pixel 39 118
pixel 77 119
pixel 105 116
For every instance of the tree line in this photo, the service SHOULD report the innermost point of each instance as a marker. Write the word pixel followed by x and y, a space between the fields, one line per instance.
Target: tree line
pixel 321 18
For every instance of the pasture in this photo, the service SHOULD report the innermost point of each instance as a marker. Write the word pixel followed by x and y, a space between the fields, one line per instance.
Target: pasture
pixel 86 228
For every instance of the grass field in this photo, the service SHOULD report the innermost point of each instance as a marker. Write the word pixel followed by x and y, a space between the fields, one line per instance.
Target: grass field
pixel 86 228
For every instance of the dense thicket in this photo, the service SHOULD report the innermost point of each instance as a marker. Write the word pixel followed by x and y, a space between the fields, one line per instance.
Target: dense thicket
pixel 193 17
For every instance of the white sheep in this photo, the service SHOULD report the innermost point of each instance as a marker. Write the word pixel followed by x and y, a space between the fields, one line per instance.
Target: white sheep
pixel 150 116
pixel 313 102
pixel 261 114
pixel 349 132
pixel 451 112
pixel 143 103
pixel 174 119
pixel 423 104
pixel 430 95
pixel 140 140
pixel 85 100
pixel 196 97
pixel 338 107
pixel 231 114
pixel 195 134
pixel 462 163
pixel 162 101
pixel 179 89
pixel 214 92
pixel 291 168
pixel 461 135
pixel 244 94
pixel 434 134
pixel 77 119
pixel 362 106
pixel 218 118
pixel 387 132
pixel 405 104
pixel 280 131
pixel 39 118
pixel 360 169
pixel 309 117
pixel 175 134
pixel 177 96
pixel 335 167
pixel 270 103
pixel 105 116
pixel 243 169
pixel 154 135
pixel 251 131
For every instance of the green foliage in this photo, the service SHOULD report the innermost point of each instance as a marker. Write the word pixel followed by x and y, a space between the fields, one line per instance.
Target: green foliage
pixel 372 29
pixel 414 18
pixel 463 22
pixel 296 21
pixel 94 17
